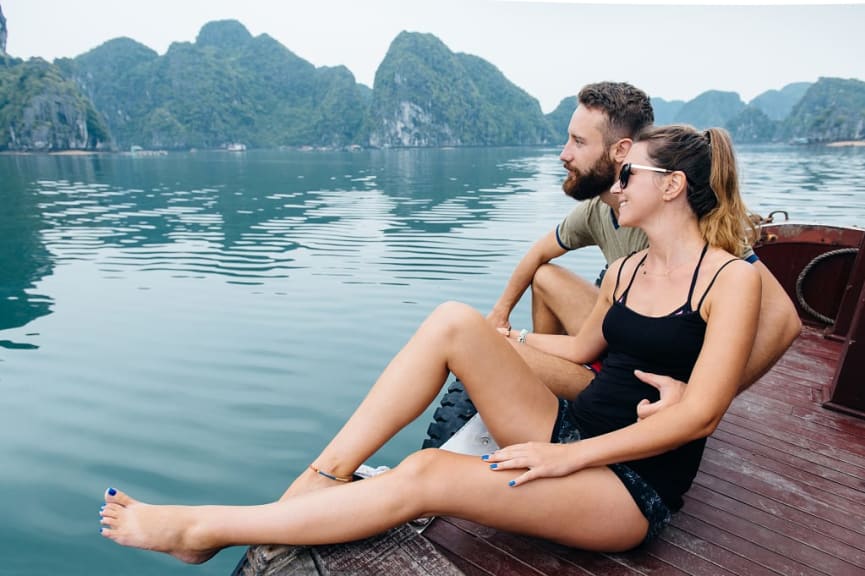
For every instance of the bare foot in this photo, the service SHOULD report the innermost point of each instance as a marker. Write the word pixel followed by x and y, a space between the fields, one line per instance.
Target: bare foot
pixel 308 481
pixel 168 529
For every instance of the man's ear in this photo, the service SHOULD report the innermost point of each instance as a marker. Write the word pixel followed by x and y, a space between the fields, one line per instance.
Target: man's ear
pixel 620 149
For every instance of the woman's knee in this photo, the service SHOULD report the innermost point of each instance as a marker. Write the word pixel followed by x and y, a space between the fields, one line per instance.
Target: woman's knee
pixel 454 318
pixel 421 470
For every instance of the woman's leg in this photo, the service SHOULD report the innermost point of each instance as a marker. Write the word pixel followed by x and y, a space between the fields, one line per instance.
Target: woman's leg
pixel 514 403
pixel 590 509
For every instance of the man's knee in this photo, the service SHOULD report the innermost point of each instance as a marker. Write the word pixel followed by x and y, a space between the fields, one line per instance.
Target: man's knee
pixel 545 279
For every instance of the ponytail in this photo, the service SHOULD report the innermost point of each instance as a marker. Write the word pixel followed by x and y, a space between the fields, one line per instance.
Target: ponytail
pixel 727 225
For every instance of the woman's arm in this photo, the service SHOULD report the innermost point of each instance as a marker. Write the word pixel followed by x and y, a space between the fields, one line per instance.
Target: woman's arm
pixel 588 344
pixel 732 309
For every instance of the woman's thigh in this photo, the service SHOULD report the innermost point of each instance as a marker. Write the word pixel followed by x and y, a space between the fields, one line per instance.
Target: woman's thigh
pixel 513 401
pixel 590 509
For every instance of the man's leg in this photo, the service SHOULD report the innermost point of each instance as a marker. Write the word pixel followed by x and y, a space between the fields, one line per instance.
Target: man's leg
pixel 561 300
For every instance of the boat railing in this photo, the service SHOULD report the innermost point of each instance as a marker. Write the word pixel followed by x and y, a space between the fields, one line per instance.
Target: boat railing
pixel 822 268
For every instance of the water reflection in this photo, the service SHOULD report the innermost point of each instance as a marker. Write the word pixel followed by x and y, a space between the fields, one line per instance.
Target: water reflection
pixel 24 259
pixel 262 215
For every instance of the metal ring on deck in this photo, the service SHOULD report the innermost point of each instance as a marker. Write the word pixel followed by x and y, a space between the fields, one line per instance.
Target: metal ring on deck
pixel 801 280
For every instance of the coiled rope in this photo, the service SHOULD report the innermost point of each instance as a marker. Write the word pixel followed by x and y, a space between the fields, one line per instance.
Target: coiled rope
pixel 801 280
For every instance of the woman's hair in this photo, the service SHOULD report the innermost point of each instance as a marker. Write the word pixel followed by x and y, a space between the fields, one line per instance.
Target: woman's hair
pixel 709 164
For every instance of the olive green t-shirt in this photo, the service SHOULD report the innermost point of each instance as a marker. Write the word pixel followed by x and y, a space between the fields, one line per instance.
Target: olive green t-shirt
pixel 592 223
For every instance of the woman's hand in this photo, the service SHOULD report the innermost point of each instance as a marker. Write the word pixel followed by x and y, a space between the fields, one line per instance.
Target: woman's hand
pixel 543 460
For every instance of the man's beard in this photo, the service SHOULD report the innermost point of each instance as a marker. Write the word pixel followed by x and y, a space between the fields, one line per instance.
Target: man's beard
pixel 597 180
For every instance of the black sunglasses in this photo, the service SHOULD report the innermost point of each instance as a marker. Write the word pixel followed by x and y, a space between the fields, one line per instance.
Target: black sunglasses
pixel 628 169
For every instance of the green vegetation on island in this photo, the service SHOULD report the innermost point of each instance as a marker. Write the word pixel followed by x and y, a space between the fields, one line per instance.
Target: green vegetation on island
pixel 230 88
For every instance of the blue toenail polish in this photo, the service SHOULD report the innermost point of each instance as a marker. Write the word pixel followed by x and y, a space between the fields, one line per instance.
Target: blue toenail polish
pixel 485 457
pixel 512 483
pixel 112 491
pixel 494 466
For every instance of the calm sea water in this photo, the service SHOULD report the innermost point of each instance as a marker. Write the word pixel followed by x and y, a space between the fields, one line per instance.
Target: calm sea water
pixel 193 327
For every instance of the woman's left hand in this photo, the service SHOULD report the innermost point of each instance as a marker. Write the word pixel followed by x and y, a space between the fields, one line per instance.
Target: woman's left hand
pixel 543 460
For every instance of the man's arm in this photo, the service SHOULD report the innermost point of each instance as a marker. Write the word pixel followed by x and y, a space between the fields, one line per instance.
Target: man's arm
pixel 539 254
pixel 778 326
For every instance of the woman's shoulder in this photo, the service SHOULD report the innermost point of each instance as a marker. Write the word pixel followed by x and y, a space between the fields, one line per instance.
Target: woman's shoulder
pixel 728 275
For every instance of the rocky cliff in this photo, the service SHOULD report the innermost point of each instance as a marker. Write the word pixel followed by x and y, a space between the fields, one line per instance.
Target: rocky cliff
pixel 42 111
pixel 426 95
pixel 832 109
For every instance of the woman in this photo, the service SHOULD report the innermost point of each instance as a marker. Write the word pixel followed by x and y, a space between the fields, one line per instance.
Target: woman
pixel 686 307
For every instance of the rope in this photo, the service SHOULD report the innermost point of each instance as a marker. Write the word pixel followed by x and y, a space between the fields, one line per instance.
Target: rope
pixel 801 280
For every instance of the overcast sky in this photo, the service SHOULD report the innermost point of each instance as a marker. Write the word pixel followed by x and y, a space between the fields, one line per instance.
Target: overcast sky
pixel 549 49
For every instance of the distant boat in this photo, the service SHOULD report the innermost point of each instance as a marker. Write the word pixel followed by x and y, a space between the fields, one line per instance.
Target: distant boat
pixel 236 147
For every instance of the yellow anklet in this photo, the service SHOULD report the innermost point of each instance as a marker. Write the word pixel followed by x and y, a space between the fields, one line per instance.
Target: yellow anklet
pixel 330 476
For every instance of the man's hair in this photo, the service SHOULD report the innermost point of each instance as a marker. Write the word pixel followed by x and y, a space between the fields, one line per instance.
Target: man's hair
pixel 627 108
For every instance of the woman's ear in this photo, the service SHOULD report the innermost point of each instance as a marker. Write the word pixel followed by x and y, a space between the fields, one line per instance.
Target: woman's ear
pixel 677 184
pixel 620 149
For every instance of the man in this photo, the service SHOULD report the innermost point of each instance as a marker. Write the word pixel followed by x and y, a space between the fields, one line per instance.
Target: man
pixel 600 134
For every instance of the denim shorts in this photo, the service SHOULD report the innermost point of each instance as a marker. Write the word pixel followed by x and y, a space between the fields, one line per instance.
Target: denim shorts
pixel 648 500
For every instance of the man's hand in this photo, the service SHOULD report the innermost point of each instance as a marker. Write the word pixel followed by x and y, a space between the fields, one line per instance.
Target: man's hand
pixel 671 392
pixel 499 319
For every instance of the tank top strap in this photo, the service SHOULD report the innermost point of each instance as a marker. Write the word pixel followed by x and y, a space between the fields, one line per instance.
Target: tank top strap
pixel 696 273
pixel 712 282
pixel 624 297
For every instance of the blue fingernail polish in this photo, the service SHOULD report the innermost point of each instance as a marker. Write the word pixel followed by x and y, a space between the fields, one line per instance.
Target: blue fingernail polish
pixel 485 457
pixel 112 491
pixel 100 530
pixel 494 466
pixel 512 483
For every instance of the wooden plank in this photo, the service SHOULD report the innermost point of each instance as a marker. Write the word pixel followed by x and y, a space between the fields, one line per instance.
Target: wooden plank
pixel 828 419
pixel 399 551
pixel 741 546
pixel 757 534
pixel 479 552
pixel 818 524
pixel 813 420
pixel 547 557
pixel 807 448
pixel 808 458
pixel 790 471
pixel 797 527
pixel 810 503
pixel 713 553
pixel 684 559
pixel 724 441
pixel 757 411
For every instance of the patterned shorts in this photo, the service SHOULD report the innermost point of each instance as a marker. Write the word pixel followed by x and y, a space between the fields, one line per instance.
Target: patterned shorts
pixel 647 499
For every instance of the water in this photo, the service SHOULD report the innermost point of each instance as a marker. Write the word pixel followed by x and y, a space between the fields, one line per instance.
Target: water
pixel 193 327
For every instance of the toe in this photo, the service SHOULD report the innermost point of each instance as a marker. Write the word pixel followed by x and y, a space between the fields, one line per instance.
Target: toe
pixel 114 496
pixel 110 511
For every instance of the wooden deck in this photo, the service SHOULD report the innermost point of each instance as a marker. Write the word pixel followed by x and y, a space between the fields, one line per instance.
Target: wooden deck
pixel 781 490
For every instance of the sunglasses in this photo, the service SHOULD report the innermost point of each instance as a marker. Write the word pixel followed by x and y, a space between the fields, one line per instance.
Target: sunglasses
pixel 628 169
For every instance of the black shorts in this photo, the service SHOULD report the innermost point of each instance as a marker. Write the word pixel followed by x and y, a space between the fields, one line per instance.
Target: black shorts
pixel 647 499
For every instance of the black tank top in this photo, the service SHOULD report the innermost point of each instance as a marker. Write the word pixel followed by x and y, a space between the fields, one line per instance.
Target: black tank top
pixel 667 345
